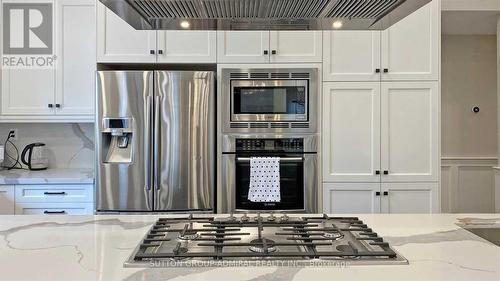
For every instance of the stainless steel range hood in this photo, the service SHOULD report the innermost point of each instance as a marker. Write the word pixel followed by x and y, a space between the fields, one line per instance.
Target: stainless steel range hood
pixel 263 14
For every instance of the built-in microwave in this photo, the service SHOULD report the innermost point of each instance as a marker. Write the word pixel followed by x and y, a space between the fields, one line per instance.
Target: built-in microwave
pixel 269 100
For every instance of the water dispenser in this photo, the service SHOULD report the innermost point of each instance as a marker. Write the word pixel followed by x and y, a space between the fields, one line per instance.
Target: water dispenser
pixel 117 137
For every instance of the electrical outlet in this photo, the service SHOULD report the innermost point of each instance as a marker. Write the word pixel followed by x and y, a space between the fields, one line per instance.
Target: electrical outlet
pixel 13 133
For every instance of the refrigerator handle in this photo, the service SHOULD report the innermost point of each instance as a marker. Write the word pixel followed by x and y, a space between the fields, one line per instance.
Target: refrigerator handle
pixel 156 146
pixel 147 142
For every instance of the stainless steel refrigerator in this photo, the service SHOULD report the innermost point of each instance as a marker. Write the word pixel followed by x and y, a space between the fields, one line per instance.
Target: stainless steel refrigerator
pixel 155 141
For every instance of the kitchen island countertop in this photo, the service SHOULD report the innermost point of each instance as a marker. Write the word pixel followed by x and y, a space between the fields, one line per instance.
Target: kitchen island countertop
pixel 95 247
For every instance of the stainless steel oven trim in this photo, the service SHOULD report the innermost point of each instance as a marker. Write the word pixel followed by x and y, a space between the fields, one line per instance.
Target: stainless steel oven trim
pixel 228 183
pixel 269 117
pixel 224 94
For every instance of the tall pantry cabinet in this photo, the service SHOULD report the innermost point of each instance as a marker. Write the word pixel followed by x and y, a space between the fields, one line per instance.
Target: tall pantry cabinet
pixel 380 132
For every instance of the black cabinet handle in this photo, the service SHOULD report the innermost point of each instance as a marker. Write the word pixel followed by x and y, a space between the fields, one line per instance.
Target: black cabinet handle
pixel 54 212
pixel 386 172
pixel 386 70
pixel 274 52
pixel 386 193
pixel 160 52
pixel 54 193
pixel 377 193
pixel 58 105
pixel 152 52
pixel 377 172
pixel 50 105
pixel 266 52
pixel 377 70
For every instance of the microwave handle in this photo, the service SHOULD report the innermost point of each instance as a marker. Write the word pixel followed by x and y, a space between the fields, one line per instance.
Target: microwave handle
pixel 282 159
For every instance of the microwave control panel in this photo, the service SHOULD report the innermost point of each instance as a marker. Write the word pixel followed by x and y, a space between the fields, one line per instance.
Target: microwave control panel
pixel 270 145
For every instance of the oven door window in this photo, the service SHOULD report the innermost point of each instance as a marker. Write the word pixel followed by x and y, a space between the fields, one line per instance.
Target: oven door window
pixel 291 187
pixel 269 100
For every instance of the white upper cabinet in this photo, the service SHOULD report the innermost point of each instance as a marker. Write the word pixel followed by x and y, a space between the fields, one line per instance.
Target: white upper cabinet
pixel 410 198
pixel 76 57
pixel 410 48
pixel 243 46
pixel 269 46
pixel 351 198
pixel 28 91
pixel 409 131
pixel 117 41
pixel 295 46
pixel 351 132
pixel 351 56
pixel 187 46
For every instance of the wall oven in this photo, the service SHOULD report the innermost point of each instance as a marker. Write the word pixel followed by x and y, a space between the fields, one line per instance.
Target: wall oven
pixel 298 172
pixel 269 100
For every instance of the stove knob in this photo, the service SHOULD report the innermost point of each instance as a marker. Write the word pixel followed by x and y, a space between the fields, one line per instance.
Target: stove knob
pixel 257 218
pixel 284 217
pixel 231 217
pixel 271 217
pixel 245 218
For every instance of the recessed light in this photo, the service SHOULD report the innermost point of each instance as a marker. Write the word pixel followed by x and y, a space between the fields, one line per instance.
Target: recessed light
pixel 337 24
pixel 185 24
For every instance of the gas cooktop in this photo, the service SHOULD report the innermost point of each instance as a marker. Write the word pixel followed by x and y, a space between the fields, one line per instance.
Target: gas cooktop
pixel 250 240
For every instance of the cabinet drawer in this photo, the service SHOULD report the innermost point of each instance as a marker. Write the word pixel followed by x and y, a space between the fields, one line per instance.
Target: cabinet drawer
pixel 54 209
pixel 6 199
pixel 54 193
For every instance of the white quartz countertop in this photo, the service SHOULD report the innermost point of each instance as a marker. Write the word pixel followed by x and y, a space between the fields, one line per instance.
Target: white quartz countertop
pixel 95 247
pixel 49 176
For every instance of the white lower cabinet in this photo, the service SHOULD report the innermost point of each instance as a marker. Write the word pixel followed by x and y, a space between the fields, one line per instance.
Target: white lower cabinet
pixel 410 198
pixel 7 202
pixel 52 199
pixel 54 208
pixel 351 198
pixel 389 198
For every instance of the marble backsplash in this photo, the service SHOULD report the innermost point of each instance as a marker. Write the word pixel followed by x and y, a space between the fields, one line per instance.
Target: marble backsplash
pixel 69 145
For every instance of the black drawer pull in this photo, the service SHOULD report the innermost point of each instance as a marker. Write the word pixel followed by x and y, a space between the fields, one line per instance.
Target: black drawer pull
pixel 58 105
pixel 386 70
pixel 274 52
pixel 386 193
pixel 266 52
pixel 54 212
pixel 377 70
pixel 377 193
pixel 54 193
pixel 151 52
pixel 50 105
pixel 377 172
pixel 386 172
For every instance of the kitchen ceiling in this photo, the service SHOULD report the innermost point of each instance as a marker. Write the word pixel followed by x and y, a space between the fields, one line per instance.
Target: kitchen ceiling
pixel 263 14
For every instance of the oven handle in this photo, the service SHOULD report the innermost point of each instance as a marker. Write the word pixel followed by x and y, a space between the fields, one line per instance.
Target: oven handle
pixel 282 159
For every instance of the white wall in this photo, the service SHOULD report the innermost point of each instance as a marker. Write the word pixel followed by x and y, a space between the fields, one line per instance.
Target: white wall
pixel 469 140
pixel 69 145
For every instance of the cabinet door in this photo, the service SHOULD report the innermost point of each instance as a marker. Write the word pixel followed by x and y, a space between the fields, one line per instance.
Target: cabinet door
pixel 351 198
pixel 351 132
pixel 410 198
pixel 28 91
pixel 76 57
pixel 296 46
pixel 187 46
pixel 410 48
pixel 409 131
pixel 243 46
pixel 351 56
pixel 7 200
pixel 117 41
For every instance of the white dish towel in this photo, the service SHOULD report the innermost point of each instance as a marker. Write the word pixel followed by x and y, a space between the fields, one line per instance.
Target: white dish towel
pixel 264 179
